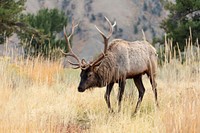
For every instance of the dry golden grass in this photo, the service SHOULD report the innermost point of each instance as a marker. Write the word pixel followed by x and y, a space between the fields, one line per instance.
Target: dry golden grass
pixel 41 96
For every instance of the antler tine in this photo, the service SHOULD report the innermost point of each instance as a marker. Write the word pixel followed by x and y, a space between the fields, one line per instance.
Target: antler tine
pixel 98 60
pixel 68 38
pixel 111 27
pixel 71 53
pixel 74 64
pixel 73 27
pixel 94 63
pixel 100 32
pixel 109 35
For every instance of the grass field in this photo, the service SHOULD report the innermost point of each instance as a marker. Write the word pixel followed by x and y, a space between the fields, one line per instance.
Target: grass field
pixel 41 96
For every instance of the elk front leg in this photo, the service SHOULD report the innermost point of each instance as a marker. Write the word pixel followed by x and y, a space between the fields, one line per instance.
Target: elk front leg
pixel 122 84
pixel 107 95
pixel 141 90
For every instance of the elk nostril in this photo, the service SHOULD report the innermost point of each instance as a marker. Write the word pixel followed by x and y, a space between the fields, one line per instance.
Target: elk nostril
pixel 80 89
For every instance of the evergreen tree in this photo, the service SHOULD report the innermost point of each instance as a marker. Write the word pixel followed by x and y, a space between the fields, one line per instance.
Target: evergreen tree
pixel 49 23
pixel 183 14
pixel 38 33
pixel 10 11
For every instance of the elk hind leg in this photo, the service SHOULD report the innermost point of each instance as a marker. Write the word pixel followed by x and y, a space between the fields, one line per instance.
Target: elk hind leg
pixel 152 74
pixel 154 88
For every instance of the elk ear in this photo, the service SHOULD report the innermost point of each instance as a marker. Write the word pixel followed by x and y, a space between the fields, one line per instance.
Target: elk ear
pixel 95 68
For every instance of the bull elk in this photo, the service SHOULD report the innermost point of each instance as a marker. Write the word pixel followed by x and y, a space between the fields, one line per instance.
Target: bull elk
pixel 119 61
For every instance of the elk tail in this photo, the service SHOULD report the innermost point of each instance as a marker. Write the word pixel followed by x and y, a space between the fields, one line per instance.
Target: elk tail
pixel 144 37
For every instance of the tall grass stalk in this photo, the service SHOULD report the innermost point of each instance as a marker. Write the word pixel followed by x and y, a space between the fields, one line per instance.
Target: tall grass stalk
pixel 38 95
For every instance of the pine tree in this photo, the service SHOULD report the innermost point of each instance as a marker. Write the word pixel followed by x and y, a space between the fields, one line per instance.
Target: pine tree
pixel 42 41
pixel 36 32
pixel 183 15
pixel 10 11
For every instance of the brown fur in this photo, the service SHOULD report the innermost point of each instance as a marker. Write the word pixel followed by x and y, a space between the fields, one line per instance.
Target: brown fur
pixel 123 60
pixel 127 59
pixel 120 61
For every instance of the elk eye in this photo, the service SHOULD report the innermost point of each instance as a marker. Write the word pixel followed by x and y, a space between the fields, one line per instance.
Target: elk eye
pixel 89 75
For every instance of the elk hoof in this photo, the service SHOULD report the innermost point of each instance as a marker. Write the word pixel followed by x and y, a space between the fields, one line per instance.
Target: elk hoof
pixel 111 111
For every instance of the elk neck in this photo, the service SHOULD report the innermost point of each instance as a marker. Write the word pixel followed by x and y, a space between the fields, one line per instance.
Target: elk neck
pixel 106 70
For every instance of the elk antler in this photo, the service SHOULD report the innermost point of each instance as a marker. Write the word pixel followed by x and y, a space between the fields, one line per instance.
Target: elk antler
pixel 109 35
pixel 81 63
pixel 106 38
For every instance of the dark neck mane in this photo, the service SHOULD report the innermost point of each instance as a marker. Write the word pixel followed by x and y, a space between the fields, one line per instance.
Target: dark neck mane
pixel 106 71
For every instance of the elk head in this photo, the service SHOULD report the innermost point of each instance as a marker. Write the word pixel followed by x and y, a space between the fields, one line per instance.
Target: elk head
pixel 89 75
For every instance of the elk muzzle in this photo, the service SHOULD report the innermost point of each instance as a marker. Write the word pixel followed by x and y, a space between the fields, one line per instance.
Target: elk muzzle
pixel 81 89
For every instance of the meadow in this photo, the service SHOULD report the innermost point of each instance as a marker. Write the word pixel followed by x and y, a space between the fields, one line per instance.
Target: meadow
pixel 40 96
